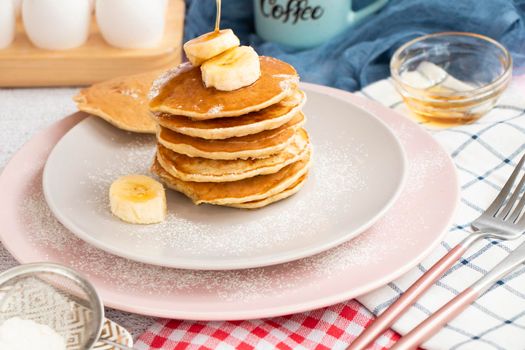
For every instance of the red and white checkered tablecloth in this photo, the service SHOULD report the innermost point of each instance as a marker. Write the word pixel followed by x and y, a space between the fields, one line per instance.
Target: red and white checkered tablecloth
pixel 329 328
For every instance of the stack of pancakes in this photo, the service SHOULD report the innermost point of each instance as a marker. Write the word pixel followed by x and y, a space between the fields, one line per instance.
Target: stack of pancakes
pixel 244 148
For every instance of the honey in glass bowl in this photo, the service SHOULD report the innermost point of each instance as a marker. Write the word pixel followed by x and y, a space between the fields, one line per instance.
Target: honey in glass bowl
pixel 451 78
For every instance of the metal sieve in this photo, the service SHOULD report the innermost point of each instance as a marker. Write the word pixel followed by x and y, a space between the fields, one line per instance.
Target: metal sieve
pixel 56 296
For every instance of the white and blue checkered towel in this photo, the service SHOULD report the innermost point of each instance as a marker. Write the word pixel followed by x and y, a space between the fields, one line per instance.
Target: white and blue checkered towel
pixel 485 154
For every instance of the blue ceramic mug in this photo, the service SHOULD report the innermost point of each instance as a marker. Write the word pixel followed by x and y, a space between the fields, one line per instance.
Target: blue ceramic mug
pixel 307 23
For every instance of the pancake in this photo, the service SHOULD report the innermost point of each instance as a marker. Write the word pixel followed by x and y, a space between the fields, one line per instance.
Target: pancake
pixel 252 123
pixel 209 170
pixel 272 199
pixel 261 145
pixel 181 92
pixel 247 190
pixel 121 101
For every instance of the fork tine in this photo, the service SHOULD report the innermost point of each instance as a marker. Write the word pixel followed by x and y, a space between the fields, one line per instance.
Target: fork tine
pixel 512 200
pixel 500 199
pixel 517 211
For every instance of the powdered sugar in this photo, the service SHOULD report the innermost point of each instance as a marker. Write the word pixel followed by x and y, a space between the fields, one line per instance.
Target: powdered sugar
pixel 335 173
pixel 131 93
pixel 215 109
pixel 166 77
pixel 288 82
pixel 418 171
pixel 20 334
pixel 286 77
pixel 192 232
pixel 46 233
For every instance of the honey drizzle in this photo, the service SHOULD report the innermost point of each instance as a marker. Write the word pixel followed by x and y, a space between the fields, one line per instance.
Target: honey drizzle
pixel 218 16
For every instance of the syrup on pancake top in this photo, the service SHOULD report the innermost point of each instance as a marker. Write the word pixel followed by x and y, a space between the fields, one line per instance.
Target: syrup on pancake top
pixel 221 79
pixel 230 125
pixel 181 91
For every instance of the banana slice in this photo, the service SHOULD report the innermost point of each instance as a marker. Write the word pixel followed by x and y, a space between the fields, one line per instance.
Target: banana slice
pixel 210 45
pixel 232 69
pixel 138 199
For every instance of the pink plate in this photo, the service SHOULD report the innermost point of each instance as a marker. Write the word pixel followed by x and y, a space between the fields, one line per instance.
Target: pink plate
pixel 402 238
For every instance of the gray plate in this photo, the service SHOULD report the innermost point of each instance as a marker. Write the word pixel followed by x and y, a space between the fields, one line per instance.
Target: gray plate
pixel 357 172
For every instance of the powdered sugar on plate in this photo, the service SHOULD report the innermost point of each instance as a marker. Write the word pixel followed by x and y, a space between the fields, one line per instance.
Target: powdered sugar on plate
pixel 402 236
pixel 335 175
pixel 351 180
pixel 46 233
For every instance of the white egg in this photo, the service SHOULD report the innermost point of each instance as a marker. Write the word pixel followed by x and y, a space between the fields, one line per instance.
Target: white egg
pixel 131 23
pixel 18 7
pixel 7 23
pixel 56 24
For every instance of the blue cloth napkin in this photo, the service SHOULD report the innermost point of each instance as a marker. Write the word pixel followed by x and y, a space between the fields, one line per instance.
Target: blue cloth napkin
pixel 361 54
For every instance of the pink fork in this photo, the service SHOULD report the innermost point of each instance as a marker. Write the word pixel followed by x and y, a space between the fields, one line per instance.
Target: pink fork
pixel 453 308
pixel 496 222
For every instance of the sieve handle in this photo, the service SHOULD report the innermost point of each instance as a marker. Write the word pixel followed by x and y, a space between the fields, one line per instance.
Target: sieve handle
pixel 115 345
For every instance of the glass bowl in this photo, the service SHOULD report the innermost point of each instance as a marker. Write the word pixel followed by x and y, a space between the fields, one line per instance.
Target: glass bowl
pixel 452 77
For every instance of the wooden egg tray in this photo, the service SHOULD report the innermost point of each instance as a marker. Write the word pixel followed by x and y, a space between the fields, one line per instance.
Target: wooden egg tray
pixel 24 65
